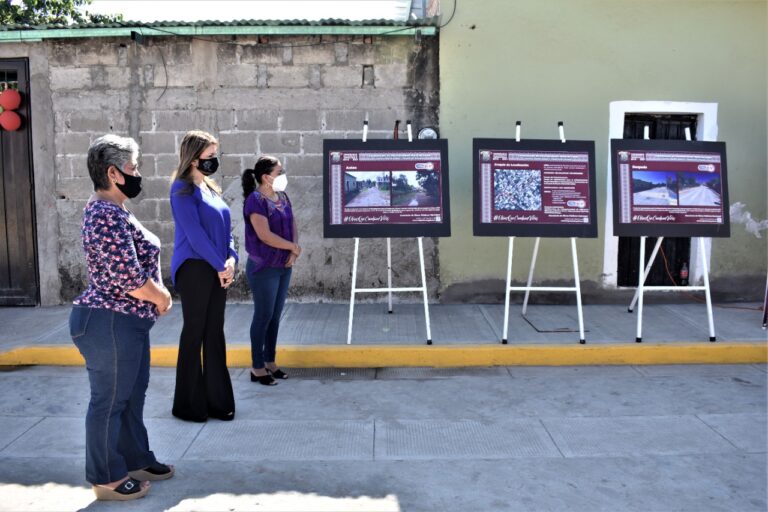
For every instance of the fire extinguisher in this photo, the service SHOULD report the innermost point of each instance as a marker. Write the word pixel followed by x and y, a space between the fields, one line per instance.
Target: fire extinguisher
pixel 684 274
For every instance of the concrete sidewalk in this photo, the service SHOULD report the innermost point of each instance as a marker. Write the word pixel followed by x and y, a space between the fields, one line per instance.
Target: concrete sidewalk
pixel 314 335
pixel 616 438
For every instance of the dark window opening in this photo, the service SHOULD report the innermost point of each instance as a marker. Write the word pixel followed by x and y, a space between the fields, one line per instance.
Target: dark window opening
pixel 675 261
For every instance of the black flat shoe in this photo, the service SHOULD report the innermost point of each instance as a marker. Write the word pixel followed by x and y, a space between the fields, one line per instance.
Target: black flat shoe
pixel 193 419
pixel 277 374
pixel 266 380
pixel 222 416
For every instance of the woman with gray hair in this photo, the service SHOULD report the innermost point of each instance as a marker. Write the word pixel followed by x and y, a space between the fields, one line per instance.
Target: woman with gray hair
pixel 110 324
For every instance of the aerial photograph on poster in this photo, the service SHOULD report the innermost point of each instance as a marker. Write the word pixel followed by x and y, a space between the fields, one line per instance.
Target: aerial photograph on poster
pixel 415 188
pixel 654 188
pixel 363 189
pixel 699 189
pixel 517 190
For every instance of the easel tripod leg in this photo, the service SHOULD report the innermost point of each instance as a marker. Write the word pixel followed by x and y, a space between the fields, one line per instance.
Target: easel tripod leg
pixel 647 270
pixel 582 339
pixel 352 294
pixel 506 290
pixel 530 274
pixel 639 293
pixel 424 291
pixel 707 294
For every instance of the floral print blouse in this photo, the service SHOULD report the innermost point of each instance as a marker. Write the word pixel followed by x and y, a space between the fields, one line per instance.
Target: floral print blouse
pixel 121 255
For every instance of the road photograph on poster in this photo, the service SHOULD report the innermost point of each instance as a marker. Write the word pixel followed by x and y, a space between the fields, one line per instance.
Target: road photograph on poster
pixel 669 188
pixel 385 188
pixel 534 188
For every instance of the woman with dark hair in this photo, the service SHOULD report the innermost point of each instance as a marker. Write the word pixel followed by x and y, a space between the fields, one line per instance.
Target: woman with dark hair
pixel 271 240
pixel 202 268
pixel 110 324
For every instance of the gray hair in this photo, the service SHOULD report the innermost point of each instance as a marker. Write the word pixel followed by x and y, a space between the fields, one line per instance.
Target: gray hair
pixel 109 150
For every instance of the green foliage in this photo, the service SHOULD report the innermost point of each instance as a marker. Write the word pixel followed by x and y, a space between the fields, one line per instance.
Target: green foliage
pixel 50 12
pixel 430 182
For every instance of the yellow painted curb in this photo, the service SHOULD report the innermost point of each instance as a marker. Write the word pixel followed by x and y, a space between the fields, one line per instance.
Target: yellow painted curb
pixel 374 356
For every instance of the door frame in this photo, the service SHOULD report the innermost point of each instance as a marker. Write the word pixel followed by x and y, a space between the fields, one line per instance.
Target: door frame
pixel 21 65
pixel 706 130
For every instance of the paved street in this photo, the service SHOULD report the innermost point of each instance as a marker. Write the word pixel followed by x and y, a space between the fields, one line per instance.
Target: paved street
pixel 645 438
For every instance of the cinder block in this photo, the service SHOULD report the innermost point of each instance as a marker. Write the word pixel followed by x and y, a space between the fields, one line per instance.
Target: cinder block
pixel 300 120
pixel 62 54
pixel 98 121
pixel 178 98
pixel 239 75
pixel 78 166
pixel 338 120
pixel 359 54
pixel 89 99
pixel 342 76
pixel 98 52
pixel 144 208
pixel 391 75
pixel 164 210
pixel 165 165
pixel 158 143
pixel 179 75
pixel 232 165
pixel 74 188
pixel 238 143
pixel 288 76
pixel 67 79
pixel 174 120
pixel 147 165
pixel 303 165
pixel 156 187
pixel 261 54
pixel 225 119
pixel 111 78
pixel 279 143
pixel 256 120
pixel 341 52
pixel 72 143
pixel 311 143
pixel 315 76
pixel 228 53
pixel 321 54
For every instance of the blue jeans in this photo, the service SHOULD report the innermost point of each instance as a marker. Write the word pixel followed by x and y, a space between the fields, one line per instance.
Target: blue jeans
pixel 269 287
pixel 116 351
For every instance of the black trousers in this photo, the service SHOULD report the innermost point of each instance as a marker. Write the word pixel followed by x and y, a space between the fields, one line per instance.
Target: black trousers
pixel 203 386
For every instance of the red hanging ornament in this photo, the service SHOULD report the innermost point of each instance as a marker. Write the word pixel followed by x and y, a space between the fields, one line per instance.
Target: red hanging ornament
pixel 10 121
pixel 10 99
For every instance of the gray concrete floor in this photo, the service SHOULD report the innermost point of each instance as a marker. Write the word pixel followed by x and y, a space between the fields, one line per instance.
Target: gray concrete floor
pixel 306 324
pixel 646 438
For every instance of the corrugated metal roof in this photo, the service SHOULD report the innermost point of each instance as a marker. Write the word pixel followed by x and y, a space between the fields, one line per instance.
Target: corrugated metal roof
pixel 331 22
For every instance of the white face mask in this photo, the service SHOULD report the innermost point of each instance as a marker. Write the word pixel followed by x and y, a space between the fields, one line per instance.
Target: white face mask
pixel 280 183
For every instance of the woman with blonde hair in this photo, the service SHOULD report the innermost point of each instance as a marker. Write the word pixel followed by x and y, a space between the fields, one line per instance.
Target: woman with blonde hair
pixel 202 268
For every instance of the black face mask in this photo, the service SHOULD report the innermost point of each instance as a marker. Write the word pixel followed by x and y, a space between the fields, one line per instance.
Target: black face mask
pixel 208 166
pixel 132 186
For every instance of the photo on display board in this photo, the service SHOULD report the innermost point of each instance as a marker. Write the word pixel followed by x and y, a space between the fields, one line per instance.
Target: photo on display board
pixel 385 188
pixel 669 188
pixel 364 189
pixel 540 188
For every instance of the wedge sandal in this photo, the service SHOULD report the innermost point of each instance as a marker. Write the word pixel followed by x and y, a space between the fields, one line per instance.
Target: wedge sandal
pixel 131 489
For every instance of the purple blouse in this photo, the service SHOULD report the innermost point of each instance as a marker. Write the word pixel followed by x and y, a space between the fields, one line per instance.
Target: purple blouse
pixel 121 255
pixel 280 218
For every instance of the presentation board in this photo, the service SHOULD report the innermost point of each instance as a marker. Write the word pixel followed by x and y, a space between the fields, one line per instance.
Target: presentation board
pixel 669 188
pixel 536 188
pixel 385 188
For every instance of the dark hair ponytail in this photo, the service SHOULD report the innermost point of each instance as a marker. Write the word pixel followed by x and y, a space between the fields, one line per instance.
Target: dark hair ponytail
pixel 251 178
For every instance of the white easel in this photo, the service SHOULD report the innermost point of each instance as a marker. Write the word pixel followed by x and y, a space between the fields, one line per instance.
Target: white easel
pixel 527 288
pixel 389 289
pixel 645 270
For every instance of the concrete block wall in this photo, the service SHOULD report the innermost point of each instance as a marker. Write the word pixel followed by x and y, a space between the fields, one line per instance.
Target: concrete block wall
pixel 282 95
